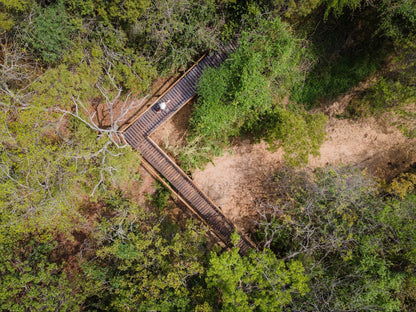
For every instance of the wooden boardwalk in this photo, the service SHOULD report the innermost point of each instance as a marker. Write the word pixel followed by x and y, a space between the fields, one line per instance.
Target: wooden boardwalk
pixel 137 135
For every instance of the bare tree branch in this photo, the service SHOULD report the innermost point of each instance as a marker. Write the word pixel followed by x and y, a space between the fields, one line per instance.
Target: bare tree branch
pixel 118 111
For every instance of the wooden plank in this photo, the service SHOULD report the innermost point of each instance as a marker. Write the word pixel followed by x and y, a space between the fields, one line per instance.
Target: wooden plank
pixel 180 93
pixel 126 126
pixel 150 169
pixel 173 113
pixel 196 187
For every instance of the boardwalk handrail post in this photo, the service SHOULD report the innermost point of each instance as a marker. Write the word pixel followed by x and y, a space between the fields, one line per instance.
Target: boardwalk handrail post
pixel 137 135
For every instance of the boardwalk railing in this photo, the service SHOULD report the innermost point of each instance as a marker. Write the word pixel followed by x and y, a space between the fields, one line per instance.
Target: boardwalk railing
pixel 137 135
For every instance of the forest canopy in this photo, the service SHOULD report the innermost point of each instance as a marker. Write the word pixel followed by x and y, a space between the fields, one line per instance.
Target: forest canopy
pixel 72 235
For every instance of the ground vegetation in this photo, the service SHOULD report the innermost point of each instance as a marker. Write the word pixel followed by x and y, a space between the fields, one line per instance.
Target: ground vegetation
pixel 73 239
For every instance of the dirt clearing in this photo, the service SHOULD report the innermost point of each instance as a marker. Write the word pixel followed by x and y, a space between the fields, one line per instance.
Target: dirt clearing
pixel 238 177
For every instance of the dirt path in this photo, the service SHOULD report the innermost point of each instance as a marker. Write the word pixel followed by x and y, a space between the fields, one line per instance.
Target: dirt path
pixel 382 149
pixel 238 176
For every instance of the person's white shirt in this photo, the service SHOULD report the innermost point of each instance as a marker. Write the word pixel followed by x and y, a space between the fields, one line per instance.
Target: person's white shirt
pixel 162 106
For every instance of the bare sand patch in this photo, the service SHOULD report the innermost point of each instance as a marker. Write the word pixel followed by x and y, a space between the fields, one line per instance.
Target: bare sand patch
pixel 375 145
pixel 238 178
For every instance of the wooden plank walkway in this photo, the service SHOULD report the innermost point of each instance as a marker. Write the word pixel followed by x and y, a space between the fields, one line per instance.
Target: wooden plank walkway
pixel 137 135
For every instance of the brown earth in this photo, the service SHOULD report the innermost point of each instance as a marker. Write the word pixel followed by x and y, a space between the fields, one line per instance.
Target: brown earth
pixel 139 104
pixel 174 130
pixel 238 177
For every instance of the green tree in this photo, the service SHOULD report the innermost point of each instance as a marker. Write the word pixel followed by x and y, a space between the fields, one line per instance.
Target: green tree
pixel 142 263
pixel 257 282
pixel 260 72
pixel 245 95
pixel 172 32
pixel 335 222
pixel 29 280
pixel 299 134
pixel 50 33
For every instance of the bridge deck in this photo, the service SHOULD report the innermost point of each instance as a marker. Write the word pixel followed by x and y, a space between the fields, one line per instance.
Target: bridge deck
pixel 137 135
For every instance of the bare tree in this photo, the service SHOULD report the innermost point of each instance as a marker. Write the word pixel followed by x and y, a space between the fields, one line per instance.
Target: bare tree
pixel 268 215
pixel 118 108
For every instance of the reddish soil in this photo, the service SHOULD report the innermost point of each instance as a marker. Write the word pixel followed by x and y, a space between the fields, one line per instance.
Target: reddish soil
pixel 173 132
pixel 238 177
pixel 141 191
pixel 140 103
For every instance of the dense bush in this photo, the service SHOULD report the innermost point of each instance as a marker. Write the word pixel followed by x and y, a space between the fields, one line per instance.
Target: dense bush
pixel 245 94
pixel 72 240
pixel 50 33
pixel 347 237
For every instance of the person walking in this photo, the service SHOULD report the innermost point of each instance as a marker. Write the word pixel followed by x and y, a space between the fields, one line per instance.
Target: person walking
pixel 163 106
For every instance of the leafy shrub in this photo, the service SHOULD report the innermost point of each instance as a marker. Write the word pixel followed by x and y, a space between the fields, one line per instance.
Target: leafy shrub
pixel 345 55
pixel 9 12
pixel 161 196
pixel 299 134
pixel 331 80
pixel 49 36
pixel 393 90
pixel 243 94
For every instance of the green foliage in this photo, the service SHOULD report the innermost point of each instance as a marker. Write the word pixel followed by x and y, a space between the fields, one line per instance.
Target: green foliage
pixel 353 248
pixel 384 95
pixel 8 11
pixel 402 185
pixel 337 6
pixel 299 134
pixel 160 198
pixel 357 248
pixel 122 167
pixel 50 33
pixel 398 18
pixel 242 15
pixel 80 7
pixel 257 282
pixel 398 243
pixel 351 45
pixel 342 192
pixel 5 21
pixel 37 178
pixel 345 54
pixel 197 152
pixel 29 281
pixel 184 29
pixel 110 47
pixel 107 55
pixel 121 11
pixel 334 79
pixel 18 5
pixel 46 159
pixel 242 95
pixel 295 10
pixel 398 216
pixel 140 266
pixel 394 91
pixel 61 85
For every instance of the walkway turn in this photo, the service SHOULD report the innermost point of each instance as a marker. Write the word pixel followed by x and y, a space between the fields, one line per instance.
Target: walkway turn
pixel 137 135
